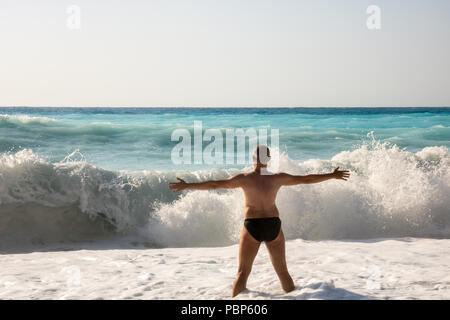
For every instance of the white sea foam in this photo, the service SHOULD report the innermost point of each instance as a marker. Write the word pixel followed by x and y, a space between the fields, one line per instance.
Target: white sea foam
pixel 407 268
pixel 24 119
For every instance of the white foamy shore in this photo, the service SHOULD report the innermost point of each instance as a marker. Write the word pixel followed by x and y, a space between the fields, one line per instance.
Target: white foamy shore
pixel 405 268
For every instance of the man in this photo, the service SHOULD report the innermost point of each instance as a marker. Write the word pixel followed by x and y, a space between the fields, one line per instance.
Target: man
pixel 262 222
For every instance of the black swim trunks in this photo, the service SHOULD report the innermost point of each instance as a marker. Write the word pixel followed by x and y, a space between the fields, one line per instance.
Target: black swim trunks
pixel 263 229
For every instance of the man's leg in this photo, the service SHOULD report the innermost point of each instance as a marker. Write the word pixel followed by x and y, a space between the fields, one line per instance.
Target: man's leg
pixel 248 248
pixel 276 250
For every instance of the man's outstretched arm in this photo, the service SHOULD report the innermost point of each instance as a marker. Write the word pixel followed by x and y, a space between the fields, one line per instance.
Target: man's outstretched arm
pixel 229 183
pixel 286 179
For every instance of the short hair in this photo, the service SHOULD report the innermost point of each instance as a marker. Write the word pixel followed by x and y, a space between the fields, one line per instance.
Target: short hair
pixel 261 154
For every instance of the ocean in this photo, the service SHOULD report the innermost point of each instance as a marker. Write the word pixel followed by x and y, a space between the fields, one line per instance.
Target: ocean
pixel 75 174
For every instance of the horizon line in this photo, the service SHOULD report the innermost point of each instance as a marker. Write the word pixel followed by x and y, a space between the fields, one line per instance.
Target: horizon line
pixel 224 107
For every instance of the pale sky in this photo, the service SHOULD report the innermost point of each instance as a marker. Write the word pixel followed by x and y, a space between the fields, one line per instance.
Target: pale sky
pixel 227 53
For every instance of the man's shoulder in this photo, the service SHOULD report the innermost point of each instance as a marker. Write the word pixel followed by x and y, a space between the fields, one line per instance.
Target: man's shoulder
pixel 239 175
pixel 268 174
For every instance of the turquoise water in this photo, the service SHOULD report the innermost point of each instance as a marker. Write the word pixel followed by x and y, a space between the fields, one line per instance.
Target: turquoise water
pixel 140 138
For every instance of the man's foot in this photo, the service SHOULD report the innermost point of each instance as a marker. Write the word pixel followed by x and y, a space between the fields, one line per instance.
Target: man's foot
pixel 289 288
pixel 237 291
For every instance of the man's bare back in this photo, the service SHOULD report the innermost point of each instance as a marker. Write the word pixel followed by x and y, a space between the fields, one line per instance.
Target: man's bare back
pixel 260 193
pixel 260 213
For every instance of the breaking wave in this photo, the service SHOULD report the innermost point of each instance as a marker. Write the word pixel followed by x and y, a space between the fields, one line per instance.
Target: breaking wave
pixel 391 193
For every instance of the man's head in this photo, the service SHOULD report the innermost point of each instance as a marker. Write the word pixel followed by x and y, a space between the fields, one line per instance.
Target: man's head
pixel 261 155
